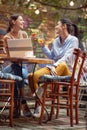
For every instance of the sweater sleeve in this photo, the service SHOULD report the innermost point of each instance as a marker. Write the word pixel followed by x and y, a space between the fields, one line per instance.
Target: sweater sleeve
pixel 69 53
pixel 48 52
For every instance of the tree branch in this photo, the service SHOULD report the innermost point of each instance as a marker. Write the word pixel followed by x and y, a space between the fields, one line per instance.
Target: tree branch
pixel 61 7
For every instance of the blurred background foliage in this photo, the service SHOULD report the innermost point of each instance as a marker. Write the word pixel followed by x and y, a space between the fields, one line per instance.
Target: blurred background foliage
pixel 42 15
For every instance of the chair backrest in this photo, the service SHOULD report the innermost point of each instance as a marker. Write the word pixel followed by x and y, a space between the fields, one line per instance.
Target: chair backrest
pixel 3 51
pixel 78 65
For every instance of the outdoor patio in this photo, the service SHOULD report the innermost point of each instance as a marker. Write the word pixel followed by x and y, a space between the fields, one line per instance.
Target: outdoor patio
pixel 62 123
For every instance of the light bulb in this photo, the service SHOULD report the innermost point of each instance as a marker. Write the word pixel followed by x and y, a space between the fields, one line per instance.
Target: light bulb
pixel 28 0
pixel 37 11
pixel 71 3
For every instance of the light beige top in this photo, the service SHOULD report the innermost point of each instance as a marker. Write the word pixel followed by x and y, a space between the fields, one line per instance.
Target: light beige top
pixel 12 35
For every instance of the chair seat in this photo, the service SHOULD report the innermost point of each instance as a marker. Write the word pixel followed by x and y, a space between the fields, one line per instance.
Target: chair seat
pixel 10 76
pixel 54 78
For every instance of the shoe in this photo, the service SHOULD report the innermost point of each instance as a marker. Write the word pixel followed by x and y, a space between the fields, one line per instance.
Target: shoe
pixel 37 112
pixel 25 111
pixel 39 92
pixel 26 114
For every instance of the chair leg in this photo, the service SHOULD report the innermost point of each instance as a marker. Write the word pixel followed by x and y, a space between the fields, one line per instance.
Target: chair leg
pixel 43 104
pixel 52 101
pixel 76 110
pixel 11 116
pixel 76 107
pixel 68 110
pixel 71 108
pixel 58 101
pixel 11 105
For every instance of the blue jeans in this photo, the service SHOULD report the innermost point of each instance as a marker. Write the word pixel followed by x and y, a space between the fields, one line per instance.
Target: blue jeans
pixel 16 69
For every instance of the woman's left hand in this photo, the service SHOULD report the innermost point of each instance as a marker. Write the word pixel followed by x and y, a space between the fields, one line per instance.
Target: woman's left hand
pixel 53 71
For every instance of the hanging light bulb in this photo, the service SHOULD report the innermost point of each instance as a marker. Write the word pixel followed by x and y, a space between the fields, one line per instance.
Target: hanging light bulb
pixel 28 0
pixel 71 3
pixel 37 11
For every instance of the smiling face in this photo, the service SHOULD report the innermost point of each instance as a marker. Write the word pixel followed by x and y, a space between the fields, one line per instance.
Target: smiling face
pixel 19 23
pixel 59 28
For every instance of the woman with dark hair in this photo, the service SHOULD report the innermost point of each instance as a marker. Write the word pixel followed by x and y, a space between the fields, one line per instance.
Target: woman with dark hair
pixel 15 31
pixel 61 53
pixel 76 32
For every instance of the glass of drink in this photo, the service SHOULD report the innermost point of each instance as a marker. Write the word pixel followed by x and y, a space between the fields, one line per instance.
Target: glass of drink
pixel 41 39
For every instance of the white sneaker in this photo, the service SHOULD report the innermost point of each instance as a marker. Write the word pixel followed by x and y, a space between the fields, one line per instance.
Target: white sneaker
pixel 37 112
pixel 39 92
pixel 22 114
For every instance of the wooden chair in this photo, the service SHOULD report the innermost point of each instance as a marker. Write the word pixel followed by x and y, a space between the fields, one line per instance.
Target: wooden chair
pixel 3 52
pixel 83 88
pixel 6 90
pixel 3 49
pixel 7 82
pixel 53 90
pixel 7 100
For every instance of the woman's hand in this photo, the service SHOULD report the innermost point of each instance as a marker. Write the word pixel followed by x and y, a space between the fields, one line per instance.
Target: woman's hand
pixel 53 71
pixel 41 42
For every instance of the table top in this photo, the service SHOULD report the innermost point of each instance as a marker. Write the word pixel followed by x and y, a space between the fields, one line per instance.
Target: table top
pixel 33 60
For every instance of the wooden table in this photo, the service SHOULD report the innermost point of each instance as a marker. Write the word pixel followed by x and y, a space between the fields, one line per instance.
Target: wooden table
pixel 32 60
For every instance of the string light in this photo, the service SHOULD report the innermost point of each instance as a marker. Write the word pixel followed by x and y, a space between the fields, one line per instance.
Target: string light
pixel 37 11
pixel 71 3
pixel 28 0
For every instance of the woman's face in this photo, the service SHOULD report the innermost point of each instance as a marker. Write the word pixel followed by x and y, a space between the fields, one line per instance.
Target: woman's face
pixel 19 23
pixel 59 28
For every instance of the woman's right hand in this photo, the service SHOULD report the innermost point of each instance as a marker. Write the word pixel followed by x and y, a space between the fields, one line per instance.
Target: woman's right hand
pixel 41 42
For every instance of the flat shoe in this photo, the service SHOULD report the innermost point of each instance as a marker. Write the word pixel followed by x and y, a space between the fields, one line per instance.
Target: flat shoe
pixel 28 114
pixel 37 115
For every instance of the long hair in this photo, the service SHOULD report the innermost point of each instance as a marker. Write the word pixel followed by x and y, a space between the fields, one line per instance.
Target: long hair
pixel 68 24
pixel 71 27
pixel 13 17
pixel 75 30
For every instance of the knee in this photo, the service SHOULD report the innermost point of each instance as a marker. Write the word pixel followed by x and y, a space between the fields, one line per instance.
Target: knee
pixel 29 75
pixel 34 77
pixel 63 65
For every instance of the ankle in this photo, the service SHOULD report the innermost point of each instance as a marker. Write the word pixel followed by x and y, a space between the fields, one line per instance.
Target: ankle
pixel 23 101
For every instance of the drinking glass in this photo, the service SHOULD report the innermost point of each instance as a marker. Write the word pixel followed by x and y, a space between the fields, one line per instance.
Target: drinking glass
pixel 41 39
